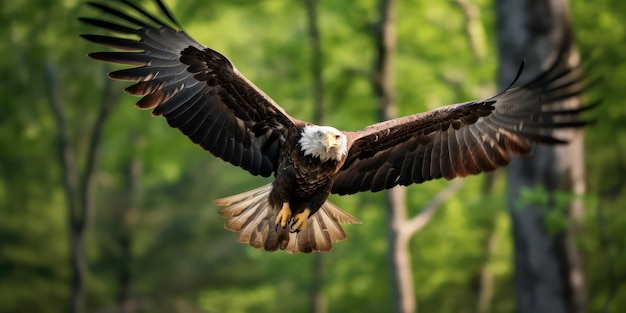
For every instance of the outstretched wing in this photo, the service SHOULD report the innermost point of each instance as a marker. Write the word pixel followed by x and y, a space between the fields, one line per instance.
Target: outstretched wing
pixel 198 90
pixel 462 139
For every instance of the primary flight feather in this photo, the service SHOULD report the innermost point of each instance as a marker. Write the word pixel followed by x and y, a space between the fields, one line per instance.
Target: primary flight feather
pixel 200 92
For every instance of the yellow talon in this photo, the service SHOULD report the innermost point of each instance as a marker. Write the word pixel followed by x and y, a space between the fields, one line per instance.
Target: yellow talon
pixel 284 215
pixel 299 221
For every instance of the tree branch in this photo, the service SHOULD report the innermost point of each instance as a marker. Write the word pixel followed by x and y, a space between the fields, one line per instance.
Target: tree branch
pixel 79 201
pixel 420 220
pixel 109 101
pixel 70 182
pixel 473 27
pixel 64 149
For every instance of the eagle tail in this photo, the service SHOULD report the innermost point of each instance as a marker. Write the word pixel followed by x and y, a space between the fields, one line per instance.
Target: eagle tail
pixel 253 218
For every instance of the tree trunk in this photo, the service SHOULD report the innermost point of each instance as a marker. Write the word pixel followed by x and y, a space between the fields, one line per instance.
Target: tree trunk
pixel 79 269
pixel 134 170
pixel 549 275
pixel 77 190
pixel 398 255
pixel 317 301
pixel 316 60
pixel 485 277
pixel 400 229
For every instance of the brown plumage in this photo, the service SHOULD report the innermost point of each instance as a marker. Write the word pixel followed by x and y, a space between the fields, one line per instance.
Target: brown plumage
pixel 200 92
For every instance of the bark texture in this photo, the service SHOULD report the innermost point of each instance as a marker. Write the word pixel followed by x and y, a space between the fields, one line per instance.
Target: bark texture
pixel 549 273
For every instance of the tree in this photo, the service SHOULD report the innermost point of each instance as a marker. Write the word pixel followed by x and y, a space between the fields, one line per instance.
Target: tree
pixel 317 301
pixel 77 184
pixel 400 229
pixel 549 271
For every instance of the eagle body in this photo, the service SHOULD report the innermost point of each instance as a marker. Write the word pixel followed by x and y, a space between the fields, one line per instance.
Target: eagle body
pixel 311 157
pixel 201 93
pixel 302 180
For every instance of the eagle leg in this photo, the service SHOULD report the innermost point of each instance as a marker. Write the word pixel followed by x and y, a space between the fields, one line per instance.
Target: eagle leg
pixel 284 215
pixel 299 221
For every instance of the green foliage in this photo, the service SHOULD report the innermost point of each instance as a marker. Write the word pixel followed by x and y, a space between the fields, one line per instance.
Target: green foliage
pixel 181 258
pixel 553 205
pixel 240 300
pixel 603 37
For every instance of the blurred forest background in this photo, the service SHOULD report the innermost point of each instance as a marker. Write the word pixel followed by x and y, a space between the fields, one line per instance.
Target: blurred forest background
pixel 154 240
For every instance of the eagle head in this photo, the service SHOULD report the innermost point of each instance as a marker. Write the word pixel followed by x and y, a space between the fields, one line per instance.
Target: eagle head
pixel 323 142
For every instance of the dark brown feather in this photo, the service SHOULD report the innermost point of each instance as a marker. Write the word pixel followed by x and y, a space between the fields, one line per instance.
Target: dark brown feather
pixel 197 90
pixel 463 139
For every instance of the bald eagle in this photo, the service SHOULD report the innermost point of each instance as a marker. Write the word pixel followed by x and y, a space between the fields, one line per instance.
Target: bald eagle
pixel 200 92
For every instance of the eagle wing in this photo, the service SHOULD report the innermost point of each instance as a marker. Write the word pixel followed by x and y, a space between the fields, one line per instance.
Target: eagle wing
pixel 198 90
pixel 462 139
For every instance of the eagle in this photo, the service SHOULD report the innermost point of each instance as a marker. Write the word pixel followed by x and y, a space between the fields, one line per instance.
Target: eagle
pixel 201 93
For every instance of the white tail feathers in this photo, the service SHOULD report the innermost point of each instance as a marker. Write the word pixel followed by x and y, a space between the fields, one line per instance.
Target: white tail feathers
pixel 251 216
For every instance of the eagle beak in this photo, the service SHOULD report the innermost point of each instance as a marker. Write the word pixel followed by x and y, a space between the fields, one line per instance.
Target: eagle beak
pixel 330 142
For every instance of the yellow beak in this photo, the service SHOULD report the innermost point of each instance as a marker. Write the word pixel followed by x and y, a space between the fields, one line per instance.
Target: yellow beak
pixel 329 142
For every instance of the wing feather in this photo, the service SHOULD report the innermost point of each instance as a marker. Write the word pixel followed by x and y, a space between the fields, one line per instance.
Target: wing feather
pixel 196 89
pixel 444 158
pixel 479 150
pixel 407 165
pixel 463 168
pixel 427 158
pixel 463 139
pixel 435 155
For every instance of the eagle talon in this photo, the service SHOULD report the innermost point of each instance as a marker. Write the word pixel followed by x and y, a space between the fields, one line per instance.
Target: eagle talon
pixel 299 221
pixel 284 216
